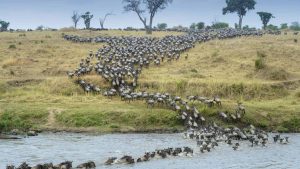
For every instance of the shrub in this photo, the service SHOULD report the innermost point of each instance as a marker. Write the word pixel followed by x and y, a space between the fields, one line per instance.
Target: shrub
pixel 293 125
pixel 22 34
pixel 260 61
pixel 12 46
pixel 194 70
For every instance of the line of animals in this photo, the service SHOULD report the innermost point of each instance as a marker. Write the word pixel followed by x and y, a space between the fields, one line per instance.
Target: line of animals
pixel 207 139
pixel 121 61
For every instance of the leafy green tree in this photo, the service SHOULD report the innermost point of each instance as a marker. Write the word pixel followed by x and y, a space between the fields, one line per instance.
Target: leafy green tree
pixel 162 26
pixel 151 6
pixel 265 18
pixel 284 26
pixel 246 27
pixel 272 27
pixel 219 25
pixel 3 25
pixel 200 25
pixel 295 26
pixel 40 28
pixel 87 17
pixel 240 7
pixel 193 26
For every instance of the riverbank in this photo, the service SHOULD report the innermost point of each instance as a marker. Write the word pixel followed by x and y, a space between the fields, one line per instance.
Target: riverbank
pixel 36 94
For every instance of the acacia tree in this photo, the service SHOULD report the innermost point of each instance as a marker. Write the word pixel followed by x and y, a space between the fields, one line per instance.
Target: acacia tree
pixel 193 26
pixel 102 20
pixel 240 7
pixel 162 26
pixel 87 17
pixel 200 25
pixel 151 7
pixel 3 26
pixel 75 18
pixel 265 18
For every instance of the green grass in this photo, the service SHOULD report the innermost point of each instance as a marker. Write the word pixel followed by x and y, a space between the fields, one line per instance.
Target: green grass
pixel 35 92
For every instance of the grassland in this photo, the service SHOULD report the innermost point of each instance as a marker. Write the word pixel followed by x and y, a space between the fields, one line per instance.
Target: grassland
pixel 35 92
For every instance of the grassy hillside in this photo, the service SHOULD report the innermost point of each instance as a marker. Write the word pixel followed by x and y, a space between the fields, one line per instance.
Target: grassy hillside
pixel 35 92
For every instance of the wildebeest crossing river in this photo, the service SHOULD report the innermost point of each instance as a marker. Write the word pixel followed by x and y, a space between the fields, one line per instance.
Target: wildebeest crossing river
pixel 57 147
pixel 120 63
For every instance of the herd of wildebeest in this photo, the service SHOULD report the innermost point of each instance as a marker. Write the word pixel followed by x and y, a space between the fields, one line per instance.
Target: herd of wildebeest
pixel 121 61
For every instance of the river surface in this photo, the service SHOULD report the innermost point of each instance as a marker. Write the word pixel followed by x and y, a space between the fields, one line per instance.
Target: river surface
pixel 79 148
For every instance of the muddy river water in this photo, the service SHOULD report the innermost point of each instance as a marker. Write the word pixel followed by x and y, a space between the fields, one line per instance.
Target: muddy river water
pixel 79 148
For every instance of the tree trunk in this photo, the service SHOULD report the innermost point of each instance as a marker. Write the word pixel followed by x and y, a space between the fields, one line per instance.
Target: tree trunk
pixel 265 26
pixel 75 25
pixel 101 25
pixel 240 22
pixel 149 31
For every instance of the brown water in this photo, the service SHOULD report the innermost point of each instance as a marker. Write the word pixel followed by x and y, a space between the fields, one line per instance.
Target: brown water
pixel 80 148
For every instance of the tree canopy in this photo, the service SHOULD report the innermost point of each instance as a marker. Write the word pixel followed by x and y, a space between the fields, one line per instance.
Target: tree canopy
pixel 295 26
pixel 284 26
pixel 197 26
pixel 265 18
pixel 162 26
pixel 219 25
pixel 3 25
pixel 240 7
pixel 149 6
pixel 87 19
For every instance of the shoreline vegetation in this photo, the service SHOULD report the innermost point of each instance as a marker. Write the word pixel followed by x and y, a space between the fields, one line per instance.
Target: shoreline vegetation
pixel 36 94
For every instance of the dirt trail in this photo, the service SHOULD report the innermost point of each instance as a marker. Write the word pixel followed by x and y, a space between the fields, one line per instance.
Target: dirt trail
pixel 51 117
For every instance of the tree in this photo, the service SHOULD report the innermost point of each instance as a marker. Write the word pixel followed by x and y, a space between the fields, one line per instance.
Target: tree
pixel 151 6
pixel 87 17
pixel 219 25
pixel 295 26
pixel 284 26
pixel 75 18
pixel 246 27
pixel 102 20
pixel 265 18
pixel 162 26
pixel 3 25
pixel 193 26
pixel 240 7
pixel 272 27
pixel 200 25
pixel 40 28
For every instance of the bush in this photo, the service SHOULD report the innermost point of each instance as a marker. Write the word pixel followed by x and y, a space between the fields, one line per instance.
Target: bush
pixel 22 34
pixel 13 46
pixel 220 25
pixel 194 70
pixel 259 63
pixel 293 125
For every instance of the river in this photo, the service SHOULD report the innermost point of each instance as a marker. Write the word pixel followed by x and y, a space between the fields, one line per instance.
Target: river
pixel 79 148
